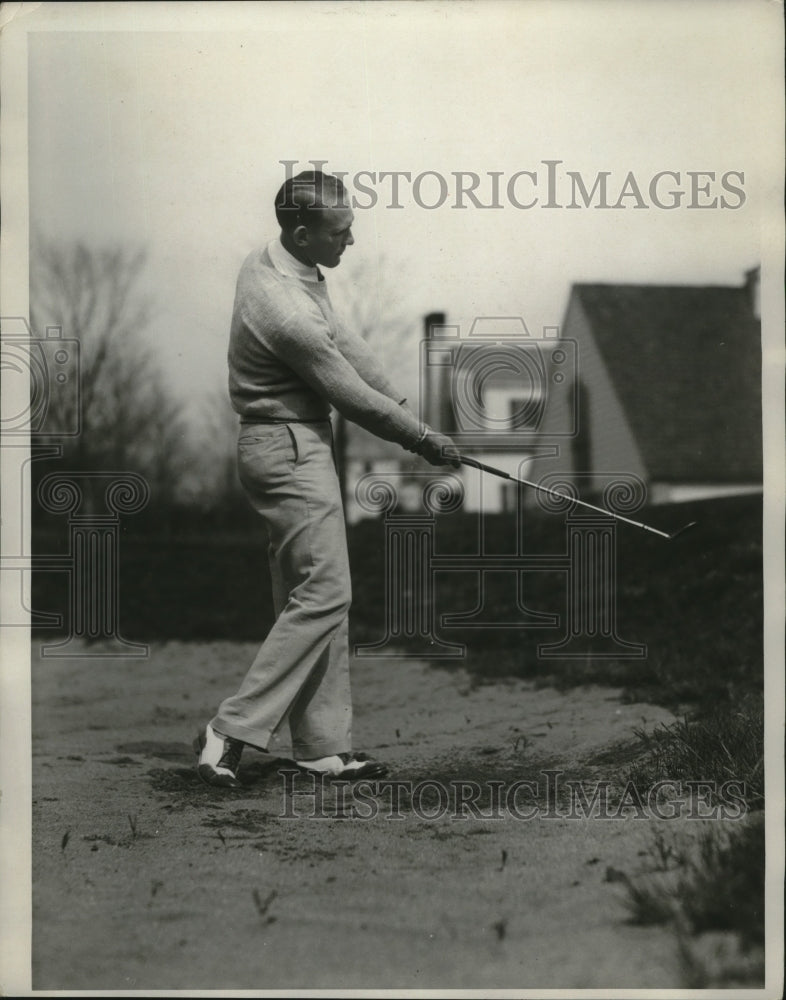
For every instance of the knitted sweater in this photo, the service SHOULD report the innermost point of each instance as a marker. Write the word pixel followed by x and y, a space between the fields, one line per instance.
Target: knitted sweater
pixel 290 358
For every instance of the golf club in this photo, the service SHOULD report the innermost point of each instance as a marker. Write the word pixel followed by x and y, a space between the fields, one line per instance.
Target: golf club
pixel 555 493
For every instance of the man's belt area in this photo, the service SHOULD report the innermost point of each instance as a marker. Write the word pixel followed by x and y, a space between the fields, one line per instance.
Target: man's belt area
pixel 284 420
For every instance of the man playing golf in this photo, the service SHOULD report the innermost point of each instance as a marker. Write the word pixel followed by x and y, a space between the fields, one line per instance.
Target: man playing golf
pixel 290 360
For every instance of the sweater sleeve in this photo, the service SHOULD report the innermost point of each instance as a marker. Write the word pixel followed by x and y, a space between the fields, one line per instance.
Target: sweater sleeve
pixel 364 361
pixel 295 330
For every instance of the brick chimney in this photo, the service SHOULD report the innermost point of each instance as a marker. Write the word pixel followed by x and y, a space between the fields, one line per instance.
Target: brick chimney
pixel 436 369
pixel 753 287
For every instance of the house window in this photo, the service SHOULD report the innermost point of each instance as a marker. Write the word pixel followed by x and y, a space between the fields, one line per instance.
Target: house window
pixel 523 413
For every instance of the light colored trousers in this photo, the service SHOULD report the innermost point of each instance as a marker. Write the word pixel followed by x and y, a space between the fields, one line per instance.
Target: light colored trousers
pixel 301 673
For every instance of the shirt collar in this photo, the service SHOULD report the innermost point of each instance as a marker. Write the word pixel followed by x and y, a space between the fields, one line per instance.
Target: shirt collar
pixel 286 264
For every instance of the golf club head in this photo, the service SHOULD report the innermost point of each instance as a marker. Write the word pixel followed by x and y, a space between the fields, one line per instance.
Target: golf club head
pixel 682 530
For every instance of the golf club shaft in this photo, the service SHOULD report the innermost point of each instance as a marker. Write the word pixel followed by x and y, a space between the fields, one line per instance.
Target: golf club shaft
pixel 555 493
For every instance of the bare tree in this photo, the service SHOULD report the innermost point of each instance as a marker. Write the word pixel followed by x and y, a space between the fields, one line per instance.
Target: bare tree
pixel 130 420
pixel 217 484
pixel 368 295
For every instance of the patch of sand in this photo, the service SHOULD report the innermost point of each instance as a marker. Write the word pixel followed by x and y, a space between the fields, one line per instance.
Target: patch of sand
pixel 162 883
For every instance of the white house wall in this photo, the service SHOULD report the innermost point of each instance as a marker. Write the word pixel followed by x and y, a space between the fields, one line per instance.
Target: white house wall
pixel 612 446
pixel 485 492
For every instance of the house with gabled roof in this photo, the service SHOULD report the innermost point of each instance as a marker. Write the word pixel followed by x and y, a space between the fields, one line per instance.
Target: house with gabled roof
pixel 667 387
pixel 661 382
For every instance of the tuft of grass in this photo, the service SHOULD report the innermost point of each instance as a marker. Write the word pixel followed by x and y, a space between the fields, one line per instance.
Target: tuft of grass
pixel 665 853
pixel 725 745
pixel 263 905
pixel 650 902
pixel 717 960
pixel 717 889
pixel 724 889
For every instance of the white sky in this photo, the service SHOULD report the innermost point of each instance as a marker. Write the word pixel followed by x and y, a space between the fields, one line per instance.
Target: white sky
pixel 172 138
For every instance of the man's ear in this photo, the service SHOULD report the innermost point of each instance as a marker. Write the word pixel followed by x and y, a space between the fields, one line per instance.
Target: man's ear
pixel 300 236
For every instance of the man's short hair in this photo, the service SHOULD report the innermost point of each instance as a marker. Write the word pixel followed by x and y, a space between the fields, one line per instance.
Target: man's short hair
pixel 301 199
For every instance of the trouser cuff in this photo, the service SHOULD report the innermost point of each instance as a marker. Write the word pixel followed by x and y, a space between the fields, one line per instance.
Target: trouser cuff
pixel 322 748
pixel 253 737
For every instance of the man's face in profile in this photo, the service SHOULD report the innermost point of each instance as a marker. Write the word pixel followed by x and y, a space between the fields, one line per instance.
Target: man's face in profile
pixel 326 241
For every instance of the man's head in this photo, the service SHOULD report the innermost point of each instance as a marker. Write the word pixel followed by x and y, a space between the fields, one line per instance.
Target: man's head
pixel 315 218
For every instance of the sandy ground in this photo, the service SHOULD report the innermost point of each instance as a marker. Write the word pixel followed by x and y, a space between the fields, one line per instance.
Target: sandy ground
pixel 145 879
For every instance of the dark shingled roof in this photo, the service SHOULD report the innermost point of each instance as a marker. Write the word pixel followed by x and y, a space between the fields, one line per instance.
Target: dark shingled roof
pixel 686 364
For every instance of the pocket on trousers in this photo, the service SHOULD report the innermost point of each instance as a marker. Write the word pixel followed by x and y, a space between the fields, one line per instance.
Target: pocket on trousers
pixel 262 453
pixel 293 440
pixel 312 443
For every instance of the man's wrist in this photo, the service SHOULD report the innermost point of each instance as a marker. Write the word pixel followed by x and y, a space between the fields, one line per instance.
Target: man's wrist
pixel 417 446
